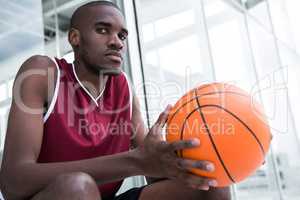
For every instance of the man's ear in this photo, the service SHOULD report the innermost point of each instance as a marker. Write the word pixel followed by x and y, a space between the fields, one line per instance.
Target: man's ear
pixel 74 37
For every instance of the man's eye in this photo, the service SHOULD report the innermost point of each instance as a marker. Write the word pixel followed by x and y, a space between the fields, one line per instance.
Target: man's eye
pixel 101 30
pixel 122 36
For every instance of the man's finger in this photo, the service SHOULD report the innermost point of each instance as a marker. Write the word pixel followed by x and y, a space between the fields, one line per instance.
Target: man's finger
pixel 184 144
pixel 187 164
pixel 163 116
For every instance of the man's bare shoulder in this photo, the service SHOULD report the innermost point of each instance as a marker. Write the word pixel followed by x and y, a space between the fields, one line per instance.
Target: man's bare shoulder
pixel 37 74
pixel 37 62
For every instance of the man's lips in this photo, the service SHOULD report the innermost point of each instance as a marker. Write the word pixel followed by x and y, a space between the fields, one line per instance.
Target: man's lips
pixel 114 56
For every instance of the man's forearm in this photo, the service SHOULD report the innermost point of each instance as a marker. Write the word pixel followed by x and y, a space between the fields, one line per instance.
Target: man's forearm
pixel 28 178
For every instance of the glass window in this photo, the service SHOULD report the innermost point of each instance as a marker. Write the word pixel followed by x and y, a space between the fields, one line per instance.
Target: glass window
pixel 3 92
pixel 258 9
pixel 230 41
pixel 272 70
pixel 229 45
pixel 174 47
pixel 21 36
pixel 281 21
pixel 10 87
pixel 292 8
pixel 289 142
pixel 234 62
pixel 3 124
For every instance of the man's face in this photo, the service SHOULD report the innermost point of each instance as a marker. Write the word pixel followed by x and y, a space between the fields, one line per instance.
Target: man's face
pixel 102 39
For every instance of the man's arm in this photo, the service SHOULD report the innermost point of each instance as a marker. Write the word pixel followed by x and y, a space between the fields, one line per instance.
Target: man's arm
pixel 21 175
pixel 140 131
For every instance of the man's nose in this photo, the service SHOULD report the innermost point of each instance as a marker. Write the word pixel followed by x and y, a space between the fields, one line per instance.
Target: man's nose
pixel 115 42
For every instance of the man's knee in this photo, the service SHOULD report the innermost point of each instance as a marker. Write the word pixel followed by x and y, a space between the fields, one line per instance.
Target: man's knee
pixel 77 184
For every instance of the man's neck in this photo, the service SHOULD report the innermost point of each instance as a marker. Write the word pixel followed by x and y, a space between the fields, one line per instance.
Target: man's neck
pixel 92 81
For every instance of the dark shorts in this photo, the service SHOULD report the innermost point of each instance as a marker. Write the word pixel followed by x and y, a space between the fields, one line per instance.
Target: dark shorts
pixel 132 194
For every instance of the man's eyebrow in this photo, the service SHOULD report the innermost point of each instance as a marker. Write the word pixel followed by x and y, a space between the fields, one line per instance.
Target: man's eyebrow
pixel 101 23
pixel 107 24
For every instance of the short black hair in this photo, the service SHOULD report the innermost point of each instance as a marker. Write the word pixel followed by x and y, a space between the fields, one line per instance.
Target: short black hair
pixel 77 12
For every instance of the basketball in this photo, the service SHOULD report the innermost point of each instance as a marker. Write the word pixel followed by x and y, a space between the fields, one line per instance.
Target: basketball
pixel 231 126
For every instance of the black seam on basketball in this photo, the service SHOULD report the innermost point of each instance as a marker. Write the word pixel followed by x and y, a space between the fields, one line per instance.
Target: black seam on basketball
pixel 183 127
pixel 242 122
pixel 225 169
pixel 212 141
pixel 206 94
pixel 232 114
pixel 200 88
pixel 196 97
pixel 203 87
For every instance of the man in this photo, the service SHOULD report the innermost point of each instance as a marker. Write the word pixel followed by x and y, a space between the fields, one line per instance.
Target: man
pixel 63 139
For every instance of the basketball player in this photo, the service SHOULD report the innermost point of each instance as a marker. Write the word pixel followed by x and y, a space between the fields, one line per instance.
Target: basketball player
pixel 66 138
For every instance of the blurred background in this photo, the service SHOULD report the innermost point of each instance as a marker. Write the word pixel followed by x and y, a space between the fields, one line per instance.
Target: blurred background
pixel 175 45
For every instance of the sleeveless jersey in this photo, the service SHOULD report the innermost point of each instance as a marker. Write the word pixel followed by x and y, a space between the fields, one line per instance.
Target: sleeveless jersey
pixel 78 126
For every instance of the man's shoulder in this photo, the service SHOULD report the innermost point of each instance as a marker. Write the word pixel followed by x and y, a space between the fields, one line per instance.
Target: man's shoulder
pixel 37 73
pixel 38 62
pixel 39 66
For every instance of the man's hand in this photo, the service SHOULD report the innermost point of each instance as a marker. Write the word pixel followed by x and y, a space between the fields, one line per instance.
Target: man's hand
pixel 159 159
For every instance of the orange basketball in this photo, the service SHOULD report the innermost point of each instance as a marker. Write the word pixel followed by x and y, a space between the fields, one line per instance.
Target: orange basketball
pixel 231 126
